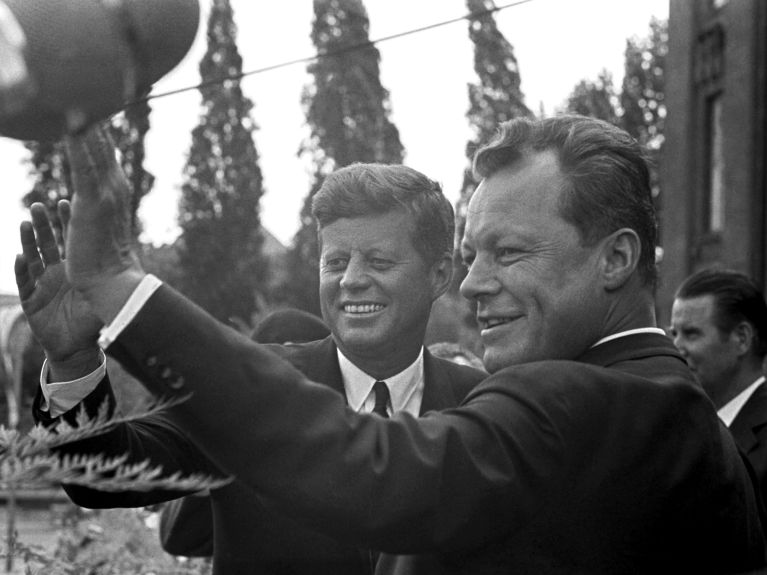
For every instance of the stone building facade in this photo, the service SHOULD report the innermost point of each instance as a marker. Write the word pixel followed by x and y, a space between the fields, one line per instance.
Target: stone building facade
pixel 714 202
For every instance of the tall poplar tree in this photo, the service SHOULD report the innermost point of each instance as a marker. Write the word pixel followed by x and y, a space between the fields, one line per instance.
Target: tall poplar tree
pixel 348 114
pixel 129 134
pixel 596 99
pixel 639 107
pixel 495 97
pixel 50 169
pixel 220 243
pixel 642 96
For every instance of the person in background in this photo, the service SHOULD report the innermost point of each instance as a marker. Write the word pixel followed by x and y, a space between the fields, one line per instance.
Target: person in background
pixel 589 449
pixel 386 234
pixel 719 324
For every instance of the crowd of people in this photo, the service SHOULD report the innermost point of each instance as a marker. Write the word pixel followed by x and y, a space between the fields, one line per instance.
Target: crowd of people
pixel 587 440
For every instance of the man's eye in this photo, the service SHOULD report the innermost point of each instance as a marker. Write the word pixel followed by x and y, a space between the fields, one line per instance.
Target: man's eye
pixel 335 263
pixel 380 263
pixel 506 255
pixel 686 334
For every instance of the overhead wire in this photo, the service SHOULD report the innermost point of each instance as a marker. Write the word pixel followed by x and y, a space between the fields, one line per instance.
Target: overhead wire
pixel 337 52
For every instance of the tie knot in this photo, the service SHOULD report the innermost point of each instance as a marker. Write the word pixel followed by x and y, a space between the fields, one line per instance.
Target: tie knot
pixel 382 398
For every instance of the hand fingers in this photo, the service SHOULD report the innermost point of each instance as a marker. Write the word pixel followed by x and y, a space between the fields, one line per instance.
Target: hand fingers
pixel 24 282
pixel 46 239
pixel 64 209
pixel 32 260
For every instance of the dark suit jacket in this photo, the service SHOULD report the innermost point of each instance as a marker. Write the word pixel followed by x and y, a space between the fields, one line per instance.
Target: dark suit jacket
pixel 614 463
pixel 750 431
pixel 250 537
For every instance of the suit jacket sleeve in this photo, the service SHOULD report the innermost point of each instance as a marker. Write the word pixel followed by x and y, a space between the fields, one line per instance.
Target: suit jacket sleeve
pixel 186 526
pixel 155 438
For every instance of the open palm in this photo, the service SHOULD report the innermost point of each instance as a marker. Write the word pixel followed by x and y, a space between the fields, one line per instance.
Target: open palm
pixel 58 316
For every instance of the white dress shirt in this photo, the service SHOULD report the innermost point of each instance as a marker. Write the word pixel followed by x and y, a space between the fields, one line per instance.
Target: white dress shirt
pixel 405 388
pixel 613 336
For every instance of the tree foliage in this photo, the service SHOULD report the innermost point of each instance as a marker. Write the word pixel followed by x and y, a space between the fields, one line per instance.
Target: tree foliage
pixel 348 115
pixel 495 97
pixel 219 248
pixel 29 461
pixel 639 107
pixel 50 170
pixel 596 99
pixel 129 134
pixel 642 96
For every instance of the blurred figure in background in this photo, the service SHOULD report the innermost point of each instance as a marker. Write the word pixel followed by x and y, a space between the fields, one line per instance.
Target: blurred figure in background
pixel 719 324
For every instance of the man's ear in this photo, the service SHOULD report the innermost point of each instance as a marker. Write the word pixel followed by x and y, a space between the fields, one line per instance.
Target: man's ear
pixel 743 335
pixel 441 275
pixel 619 257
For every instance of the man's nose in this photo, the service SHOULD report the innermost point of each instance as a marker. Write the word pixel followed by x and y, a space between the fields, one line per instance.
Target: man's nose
pixel 355 275
pixel 679 343
pixel 480 280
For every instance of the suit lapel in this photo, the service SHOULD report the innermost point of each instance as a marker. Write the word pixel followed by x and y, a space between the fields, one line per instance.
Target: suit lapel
pixel 630 347
pixel 318 360
pixel 437 390
pixel 751 418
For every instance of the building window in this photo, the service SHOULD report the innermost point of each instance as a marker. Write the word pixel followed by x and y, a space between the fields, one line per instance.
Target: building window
pixel 715 193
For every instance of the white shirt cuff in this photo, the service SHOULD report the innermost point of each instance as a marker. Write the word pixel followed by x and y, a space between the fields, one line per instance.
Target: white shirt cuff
pixel 144 290
pixel 61 396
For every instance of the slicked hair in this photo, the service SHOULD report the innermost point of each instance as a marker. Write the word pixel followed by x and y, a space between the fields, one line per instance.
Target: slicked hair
pixel 361 190
pixel 736 298
pixel 606 170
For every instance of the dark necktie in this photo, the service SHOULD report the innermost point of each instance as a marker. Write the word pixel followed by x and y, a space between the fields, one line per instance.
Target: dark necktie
pixel 382 398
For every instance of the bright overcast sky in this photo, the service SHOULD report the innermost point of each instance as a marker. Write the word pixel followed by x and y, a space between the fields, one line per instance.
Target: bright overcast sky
pixel 557 43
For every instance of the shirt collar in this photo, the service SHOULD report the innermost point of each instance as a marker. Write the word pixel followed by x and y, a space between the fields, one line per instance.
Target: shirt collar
pixel 628 332
pixel 730 410
pixel 358 385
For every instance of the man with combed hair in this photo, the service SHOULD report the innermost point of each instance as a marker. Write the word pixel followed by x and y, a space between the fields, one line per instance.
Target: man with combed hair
pixel 589 448
pixel 719 324
pixel 386 236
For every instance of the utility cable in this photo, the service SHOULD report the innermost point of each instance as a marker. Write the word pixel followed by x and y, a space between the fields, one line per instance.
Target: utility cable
pixel 337 52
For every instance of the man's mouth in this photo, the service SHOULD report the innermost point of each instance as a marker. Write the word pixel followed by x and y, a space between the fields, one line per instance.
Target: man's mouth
pixel 491 322
pixel 363 308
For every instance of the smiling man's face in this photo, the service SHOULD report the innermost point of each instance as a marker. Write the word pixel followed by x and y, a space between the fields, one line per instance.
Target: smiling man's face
pixel 376 290
pixel 534 282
